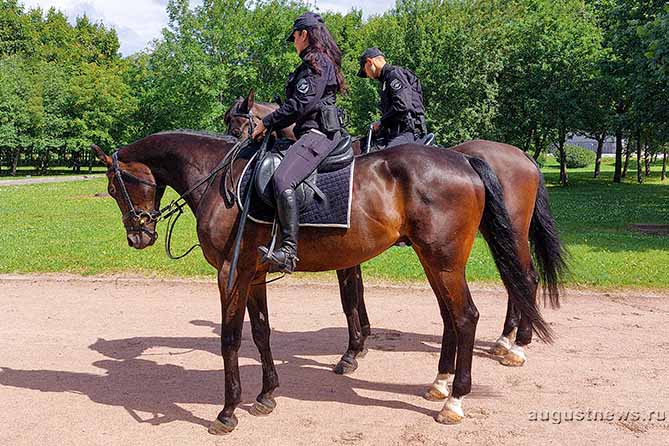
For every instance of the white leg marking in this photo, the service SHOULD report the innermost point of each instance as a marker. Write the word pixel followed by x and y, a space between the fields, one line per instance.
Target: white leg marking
pixel 452 412
pixel 515 357
pixel 501 347
pixel 441 383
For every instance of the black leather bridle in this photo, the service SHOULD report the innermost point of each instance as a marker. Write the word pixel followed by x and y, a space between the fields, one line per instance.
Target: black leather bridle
pixel 248 115
pixel 138 218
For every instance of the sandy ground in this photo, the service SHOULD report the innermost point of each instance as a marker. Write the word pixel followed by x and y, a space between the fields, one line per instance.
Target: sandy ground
pixel 136 362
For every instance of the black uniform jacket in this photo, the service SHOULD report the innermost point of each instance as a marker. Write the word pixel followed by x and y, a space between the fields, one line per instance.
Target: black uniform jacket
pixel 401 98
pixel 306 90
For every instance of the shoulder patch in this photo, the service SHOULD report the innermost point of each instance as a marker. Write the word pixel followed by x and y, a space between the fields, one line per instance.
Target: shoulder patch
pixel 396 84
pixel 302 86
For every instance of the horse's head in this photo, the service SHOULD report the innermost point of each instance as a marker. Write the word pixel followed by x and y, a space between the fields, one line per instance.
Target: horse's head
pixel 240 116
pixel 134 188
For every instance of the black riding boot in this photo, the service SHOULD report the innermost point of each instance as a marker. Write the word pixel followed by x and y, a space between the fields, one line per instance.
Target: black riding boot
pixel 285 258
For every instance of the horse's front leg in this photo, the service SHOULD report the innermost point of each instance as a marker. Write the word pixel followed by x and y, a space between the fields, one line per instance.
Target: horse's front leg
pixel 350 291
pixel 257 306
pixel 233 307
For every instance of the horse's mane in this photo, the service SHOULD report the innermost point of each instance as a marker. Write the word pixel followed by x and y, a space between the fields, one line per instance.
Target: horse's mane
pixel 202 133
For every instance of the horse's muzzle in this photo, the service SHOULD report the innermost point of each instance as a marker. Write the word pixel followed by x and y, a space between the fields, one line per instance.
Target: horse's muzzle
pixel 141 239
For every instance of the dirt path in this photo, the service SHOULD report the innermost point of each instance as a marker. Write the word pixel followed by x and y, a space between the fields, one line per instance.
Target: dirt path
pixel 104 362
pixel 40 180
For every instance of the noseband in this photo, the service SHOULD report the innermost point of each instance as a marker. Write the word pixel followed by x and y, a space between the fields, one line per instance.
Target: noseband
pixel 139 218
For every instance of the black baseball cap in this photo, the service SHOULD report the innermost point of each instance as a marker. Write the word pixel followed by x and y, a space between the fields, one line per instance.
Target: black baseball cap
pixel 305 21
pixel 369 53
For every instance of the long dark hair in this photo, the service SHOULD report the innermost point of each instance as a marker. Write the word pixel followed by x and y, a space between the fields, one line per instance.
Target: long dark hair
pixel 321 41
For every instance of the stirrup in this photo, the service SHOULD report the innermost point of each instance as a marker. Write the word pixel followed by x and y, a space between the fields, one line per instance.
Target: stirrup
pixel 281 260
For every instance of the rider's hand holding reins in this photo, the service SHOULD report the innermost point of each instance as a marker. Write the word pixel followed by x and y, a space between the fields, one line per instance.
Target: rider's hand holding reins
pixel 258 131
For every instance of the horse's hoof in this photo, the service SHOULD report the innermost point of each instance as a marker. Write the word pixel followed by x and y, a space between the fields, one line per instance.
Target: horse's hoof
pixel 362 354
pixel 344 367
pixel 263 406
pixel 433 394
pixel 515 357
pixel 452 412
pixel 227 425
pixel 501 347
pixel 438 390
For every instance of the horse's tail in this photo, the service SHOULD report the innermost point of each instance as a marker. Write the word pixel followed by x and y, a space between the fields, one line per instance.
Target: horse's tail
pixel 503 245
pixel 549 253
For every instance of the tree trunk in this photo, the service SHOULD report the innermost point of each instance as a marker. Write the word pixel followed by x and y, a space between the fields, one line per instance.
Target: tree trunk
pixel 617 175
pixel 564 179
pixel 598 157
pixel 44 163
pixel 539 142
pixel 528 141
pixel 15 160
pixel 664 165
pixel 90 161
pixel 639 166
pixel 627 157
pixel 646 159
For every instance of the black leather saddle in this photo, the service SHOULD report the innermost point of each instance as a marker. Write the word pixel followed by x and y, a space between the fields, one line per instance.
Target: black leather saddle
pixel 340 157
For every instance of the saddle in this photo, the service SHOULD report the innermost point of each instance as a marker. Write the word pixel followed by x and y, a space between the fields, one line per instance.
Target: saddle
pixel 307 191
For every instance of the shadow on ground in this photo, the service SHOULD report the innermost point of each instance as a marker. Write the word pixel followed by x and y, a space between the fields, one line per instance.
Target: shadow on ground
pixel 143 386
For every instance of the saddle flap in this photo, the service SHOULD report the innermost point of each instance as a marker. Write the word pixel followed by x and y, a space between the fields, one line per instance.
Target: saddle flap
pixel 263 182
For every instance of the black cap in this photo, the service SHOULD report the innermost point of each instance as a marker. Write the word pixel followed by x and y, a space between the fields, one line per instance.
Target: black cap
pixel 369 53
pixel 305 21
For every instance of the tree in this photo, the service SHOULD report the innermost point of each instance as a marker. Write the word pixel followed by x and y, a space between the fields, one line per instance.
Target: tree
pixel 546 73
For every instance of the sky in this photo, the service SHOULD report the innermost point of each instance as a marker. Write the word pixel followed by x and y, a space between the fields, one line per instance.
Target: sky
pixel 138 22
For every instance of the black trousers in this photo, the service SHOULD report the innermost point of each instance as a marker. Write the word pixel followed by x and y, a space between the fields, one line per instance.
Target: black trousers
pixel 301 159
pixel 402 138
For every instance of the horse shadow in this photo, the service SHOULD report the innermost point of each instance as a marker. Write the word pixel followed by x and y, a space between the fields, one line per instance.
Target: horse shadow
pixel 143 386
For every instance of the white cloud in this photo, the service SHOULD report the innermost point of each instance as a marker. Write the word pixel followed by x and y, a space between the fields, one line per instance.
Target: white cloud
pixel 138 22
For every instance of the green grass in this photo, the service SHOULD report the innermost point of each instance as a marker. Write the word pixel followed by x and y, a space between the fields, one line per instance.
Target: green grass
pixel 62 227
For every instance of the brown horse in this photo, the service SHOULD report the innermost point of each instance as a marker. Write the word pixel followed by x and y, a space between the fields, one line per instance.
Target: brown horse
pixel 526 199
pixel 434 199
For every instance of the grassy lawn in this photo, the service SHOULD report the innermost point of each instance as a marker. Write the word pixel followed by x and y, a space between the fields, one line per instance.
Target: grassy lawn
pixel 63 227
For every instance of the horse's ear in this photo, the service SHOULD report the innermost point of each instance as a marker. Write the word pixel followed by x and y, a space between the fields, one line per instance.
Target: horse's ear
pixel 249 102
pixel 106 159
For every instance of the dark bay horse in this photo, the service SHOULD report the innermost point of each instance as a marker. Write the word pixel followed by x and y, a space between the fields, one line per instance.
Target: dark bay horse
pixel 526 199
pixel 434 199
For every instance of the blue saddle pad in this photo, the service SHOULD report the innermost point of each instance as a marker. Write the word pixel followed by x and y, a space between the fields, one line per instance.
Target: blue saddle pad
pixel 333 212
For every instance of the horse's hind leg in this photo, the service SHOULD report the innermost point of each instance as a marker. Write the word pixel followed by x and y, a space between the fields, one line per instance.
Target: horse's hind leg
pixel 438 390
pixel 259 316
pixel 505 341
pixel 516 333
pixel 350 290
pixel 515 356
pixel 450 287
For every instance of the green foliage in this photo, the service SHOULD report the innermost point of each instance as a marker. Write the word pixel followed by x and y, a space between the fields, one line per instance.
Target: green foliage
pixel 576 156
pixel 62 86
pixel 525 72
pixel 541 160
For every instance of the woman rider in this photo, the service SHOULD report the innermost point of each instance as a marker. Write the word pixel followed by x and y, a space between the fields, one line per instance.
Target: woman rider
pixel 310 104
